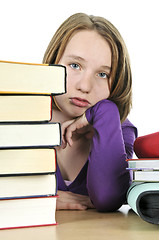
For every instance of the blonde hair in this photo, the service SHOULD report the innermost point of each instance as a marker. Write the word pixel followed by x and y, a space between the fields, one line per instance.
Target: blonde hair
pixel 121 78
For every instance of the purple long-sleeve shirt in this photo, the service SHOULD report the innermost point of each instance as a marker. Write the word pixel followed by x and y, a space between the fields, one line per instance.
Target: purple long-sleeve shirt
pixel 104 176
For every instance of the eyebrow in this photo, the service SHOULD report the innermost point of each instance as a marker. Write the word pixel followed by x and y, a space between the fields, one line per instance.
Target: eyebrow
pixel 76 57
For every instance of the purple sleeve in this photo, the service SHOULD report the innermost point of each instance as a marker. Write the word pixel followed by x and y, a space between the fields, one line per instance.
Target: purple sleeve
pixel 107 177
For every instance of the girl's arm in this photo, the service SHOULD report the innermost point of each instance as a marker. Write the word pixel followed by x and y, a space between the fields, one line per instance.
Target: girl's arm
pixel 107 177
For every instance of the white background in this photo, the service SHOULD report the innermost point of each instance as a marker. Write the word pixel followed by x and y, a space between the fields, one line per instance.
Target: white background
pixel 27 26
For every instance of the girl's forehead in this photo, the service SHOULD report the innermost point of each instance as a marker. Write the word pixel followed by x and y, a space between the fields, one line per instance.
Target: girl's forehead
pixel 88 45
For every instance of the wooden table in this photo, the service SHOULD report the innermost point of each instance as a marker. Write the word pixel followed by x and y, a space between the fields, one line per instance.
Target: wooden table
pixel 89 225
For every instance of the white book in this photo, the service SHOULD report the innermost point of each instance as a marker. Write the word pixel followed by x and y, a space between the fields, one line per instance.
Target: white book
pixel 27 212
pixel 27 160
pixel 32 78
pixel 27 185
pixel 16 108
pixel 146 176
pixel 29 135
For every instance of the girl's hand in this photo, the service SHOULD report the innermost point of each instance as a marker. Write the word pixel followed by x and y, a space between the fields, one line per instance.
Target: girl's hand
pixel 72 201
pixel 74 129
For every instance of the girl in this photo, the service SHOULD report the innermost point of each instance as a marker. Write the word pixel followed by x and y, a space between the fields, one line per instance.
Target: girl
pixel 97 137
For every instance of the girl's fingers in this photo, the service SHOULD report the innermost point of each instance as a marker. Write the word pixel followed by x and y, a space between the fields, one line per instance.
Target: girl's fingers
pixel 77 125
pixel 69 200
pixel 69 206
pixel 63 130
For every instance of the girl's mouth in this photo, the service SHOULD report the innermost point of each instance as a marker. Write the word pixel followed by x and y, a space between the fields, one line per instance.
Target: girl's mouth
pixel 79 102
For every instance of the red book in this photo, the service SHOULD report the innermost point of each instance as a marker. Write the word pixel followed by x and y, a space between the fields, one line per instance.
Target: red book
pixel 147 146
pixel 27 212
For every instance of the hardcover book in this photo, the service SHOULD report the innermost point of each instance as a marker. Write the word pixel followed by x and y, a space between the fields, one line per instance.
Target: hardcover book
pixel 18 186
pixel 16 108
pixel 31 160
pixel 145 176
pixel 27 212
pixel 29 135
pixel 32 78
pixel 144 163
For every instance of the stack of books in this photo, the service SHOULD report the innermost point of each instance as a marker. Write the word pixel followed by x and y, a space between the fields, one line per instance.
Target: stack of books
pixel 143 194
pixel 144 169
pixel 27 143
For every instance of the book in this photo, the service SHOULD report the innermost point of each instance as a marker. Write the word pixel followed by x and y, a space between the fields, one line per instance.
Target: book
pixel 32 78
pixel 143 163
pixel 145 176
pixel 18 186
pixel 32 160
pixel 147 146
pixel 27 212
pixel 29 135
pixel 16 108
pixel 143 198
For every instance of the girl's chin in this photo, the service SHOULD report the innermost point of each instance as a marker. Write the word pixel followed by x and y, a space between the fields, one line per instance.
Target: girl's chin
pixel 75 114
pixel 73 111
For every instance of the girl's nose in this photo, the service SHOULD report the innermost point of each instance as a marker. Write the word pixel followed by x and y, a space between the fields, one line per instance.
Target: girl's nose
pixel 84 83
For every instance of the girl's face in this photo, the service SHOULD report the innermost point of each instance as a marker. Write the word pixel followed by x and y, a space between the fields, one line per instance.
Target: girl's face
pixel 87 58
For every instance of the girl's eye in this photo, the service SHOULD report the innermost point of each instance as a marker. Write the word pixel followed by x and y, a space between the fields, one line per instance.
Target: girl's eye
pixel 74 66
pixel 103 75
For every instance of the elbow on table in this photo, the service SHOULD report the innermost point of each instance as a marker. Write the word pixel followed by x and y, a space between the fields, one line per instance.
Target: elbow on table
pixel 108 203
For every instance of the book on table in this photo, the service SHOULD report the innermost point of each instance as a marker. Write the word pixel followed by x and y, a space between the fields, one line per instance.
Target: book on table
pixel 27 212
pixel 143 198
pixel 24 78
pixel 143 193
pixel 16 108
